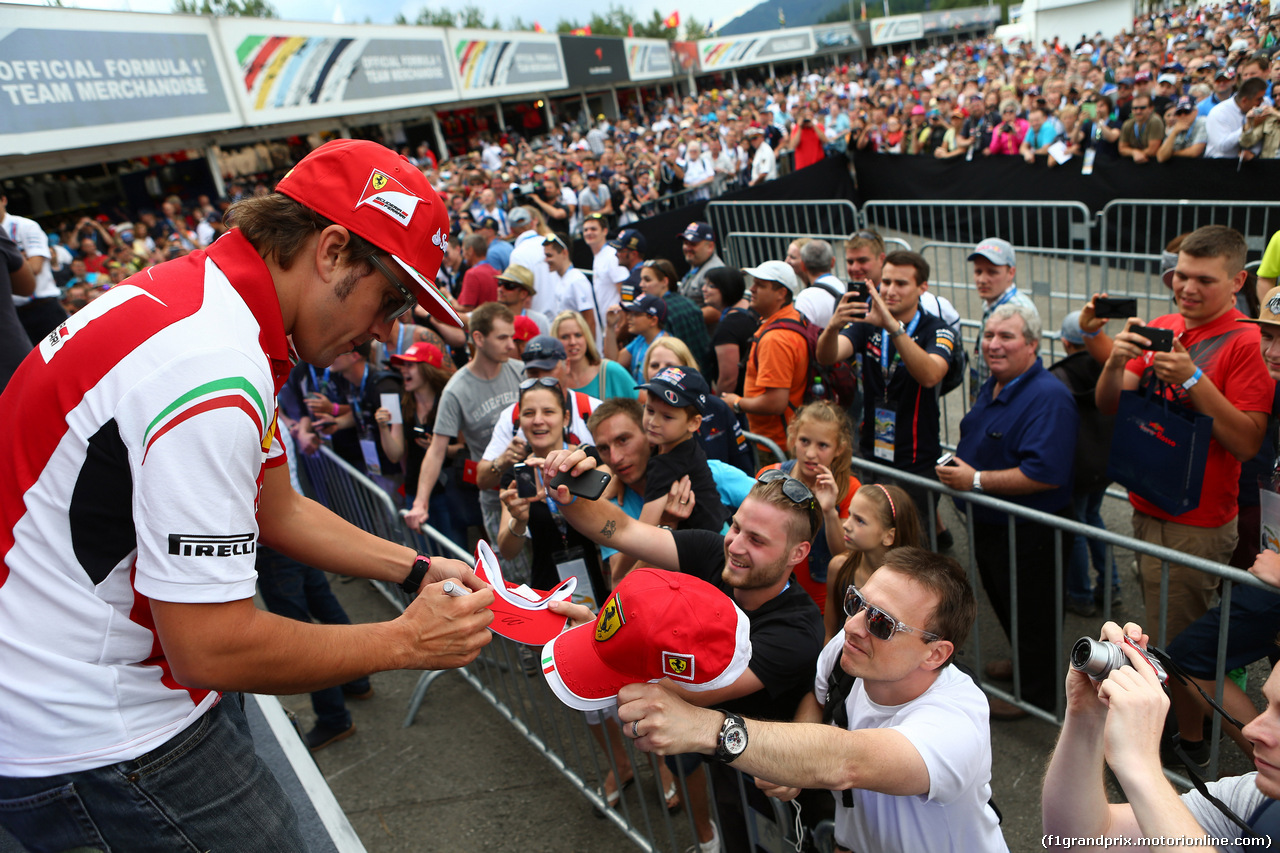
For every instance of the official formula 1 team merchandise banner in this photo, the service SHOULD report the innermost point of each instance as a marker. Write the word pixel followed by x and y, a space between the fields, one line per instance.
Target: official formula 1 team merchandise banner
pixel 753 48
pixel 106 77
pixel 649 59
pixel 593 60
pixel 289 71
pixel 491 63
pixel 896 28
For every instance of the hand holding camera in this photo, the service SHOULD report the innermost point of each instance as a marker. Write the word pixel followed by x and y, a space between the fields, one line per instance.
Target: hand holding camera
pixel 1117 680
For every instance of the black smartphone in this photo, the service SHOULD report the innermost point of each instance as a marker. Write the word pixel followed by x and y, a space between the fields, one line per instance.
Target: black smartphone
pixel 589 486
pixel 419 431
pixel 860 291
pixel 1110 308
pixel 1161 339
pixel 526 478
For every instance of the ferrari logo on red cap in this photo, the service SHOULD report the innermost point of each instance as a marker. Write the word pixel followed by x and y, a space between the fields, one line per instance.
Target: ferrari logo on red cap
pixel 388 195
pixel 677 666
pixel 611 618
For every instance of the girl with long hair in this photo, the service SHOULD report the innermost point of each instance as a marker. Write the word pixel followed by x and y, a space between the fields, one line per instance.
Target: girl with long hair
pixel 880 518
pixel 821 448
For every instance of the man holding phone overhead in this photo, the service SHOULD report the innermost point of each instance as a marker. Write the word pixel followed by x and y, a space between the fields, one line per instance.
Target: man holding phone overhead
pixel 1213 366
pixel 905 353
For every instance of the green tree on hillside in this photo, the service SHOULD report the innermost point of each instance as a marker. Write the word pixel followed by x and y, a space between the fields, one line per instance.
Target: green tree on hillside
pixel 225 8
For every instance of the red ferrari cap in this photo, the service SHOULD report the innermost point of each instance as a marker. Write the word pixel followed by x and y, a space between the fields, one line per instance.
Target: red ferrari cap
pixel 419 352
pixel 656 625
pixel 384 198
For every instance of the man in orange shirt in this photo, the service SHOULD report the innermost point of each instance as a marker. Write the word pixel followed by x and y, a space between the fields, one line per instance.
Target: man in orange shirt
pixel 779 362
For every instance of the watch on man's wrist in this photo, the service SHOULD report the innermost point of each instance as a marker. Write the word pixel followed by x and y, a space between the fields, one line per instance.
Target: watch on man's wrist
pixel 977 481
pixel 732 740
pixel 421 566
pixel 901 330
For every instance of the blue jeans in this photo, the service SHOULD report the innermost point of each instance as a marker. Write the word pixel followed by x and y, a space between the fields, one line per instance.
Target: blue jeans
pixel 205 789
pixel 1088 510
pixel 300 592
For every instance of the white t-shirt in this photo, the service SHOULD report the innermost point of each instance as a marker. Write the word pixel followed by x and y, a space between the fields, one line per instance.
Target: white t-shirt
pixel 1224 126
pixel 527 252
pixel 764 163
pixel 573 291
pixel 1239 793
pixel 699 169
pixel 817 303
pixel 505 429
pixel 34 243
pixel 607 276
pixel 949 725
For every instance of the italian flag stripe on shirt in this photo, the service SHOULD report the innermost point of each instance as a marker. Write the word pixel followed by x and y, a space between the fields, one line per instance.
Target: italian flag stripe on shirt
pixel 204 398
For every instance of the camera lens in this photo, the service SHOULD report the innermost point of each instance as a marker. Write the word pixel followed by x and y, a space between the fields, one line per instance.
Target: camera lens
pixel 1096 659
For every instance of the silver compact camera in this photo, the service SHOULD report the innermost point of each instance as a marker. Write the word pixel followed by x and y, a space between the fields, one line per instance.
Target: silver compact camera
pixel 1097 659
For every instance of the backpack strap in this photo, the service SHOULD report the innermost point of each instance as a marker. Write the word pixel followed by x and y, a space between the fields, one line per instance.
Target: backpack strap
pixel 829 288
pixel 789 325
pixel 582 402
pixel 835 712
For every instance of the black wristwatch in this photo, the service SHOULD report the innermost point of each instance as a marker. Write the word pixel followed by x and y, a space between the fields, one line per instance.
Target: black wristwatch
pixel 421 566
pixel 732 740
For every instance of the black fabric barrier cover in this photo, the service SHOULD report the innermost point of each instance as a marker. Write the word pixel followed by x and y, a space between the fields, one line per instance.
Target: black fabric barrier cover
pixel 826 179
pixel 888 176
pixel 906 178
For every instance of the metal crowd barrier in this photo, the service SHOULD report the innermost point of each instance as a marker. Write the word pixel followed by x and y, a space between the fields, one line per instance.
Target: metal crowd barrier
pixel 677 199
pixel 869 471
pixel 1045 224
pixel 1145 226
pixel 1059 281
pixel 507 675
pixel 757 231
pixel 769 444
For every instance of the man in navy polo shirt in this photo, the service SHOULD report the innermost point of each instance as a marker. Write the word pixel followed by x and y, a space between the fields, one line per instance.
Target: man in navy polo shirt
pixel 1018 442
pixel 994 270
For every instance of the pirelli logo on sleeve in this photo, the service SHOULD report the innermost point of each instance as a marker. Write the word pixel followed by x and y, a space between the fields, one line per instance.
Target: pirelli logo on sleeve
pixel 204 545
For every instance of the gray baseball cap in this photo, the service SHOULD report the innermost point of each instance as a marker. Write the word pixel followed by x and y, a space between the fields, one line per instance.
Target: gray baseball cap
pixel 995 250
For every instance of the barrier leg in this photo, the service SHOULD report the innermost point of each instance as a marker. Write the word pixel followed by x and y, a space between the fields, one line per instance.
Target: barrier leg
pixel 420 693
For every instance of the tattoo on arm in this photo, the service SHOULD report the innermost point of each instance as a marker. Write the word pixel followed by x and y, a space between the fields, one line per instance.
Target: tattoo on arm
pixel 607 530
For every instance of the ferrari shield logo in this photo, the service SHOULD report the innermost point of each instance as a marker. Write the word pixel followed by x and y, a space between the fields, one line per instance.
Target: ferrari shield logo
pixel 379 180
pixel 611 618
pixel 677 666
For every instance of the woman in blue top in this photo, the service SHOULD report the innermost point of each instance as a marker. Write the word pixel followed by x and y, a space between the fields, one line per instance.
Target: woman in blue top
pixel 587 371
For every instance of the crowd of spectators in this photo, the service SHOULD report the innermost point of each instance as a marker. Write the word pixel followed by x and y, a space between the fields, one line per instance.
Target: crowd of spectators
pixel 664 374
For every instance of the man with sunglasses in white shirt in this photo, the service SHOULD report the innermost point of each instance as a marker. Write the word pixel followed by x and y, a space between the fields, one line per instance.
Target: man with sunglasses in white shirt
pixel 905 748
pixel 769 534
